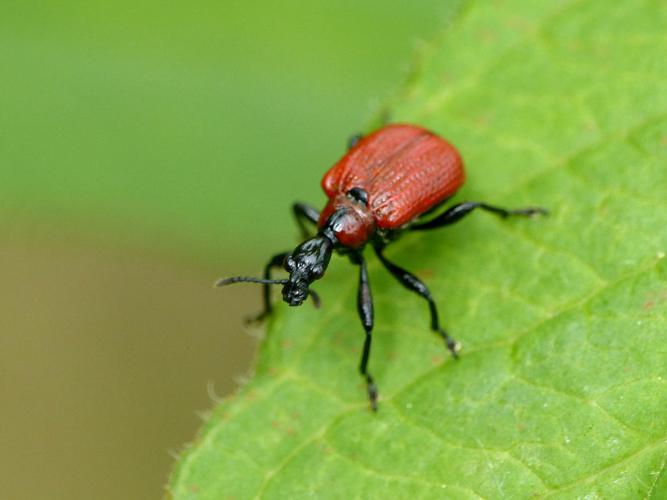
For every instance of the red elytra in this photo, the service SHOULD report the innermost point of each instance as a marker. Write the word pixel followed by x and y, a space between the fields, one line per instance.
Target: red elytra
pixel 381 187
pixel 405 170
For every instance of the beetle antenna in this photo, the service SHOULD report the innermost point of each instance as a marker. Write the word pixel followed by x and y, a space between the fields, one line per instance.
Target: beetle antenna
pixel 248 279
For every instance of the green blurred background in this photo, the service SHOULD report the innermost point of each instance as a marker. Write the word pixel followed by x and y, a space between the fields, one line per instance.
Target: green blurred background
pixel 145 150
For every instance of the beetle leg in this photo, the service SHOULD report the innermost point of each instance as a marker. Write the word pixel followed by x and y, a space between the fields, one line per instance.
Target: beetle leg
pixel 275 261
pixel 305 213
pixel 365 308
pixel 353 140
pixel 460 210
pixel 414 284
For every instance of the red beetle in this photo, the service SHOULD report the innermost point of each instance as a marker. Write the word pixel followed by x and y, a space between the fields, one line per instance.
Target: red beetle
pixel 384 185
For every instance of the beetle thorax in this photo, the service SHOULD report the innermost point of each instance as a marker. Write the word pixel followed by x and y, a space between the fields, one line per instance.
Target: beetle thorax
pixel 350 220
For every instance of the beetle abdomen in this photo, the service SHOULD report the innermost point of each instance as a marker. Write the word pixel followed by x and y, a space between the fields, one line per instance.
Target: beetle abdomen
pixel 405 170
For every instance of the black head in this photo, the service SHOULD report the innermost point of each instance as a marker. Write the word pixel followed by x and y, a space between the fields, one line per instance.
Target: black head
pixel 306 264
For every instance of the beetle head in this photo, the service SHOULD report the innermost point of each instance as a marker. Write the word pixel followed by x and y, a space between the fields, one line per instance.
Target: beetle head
pixel 306 264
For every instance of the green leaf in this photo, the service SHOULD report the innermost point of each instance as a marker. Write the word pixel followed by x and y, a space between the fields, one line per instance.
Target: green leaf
pixel 560 390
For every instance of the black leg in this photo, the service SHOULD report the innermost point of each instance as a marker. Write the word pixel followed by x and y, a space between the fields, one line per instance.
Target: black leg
pixel 305 213
pixel 353 140
pixel 457 212
pixel 414 284
pixel 365 308
pixel 275 261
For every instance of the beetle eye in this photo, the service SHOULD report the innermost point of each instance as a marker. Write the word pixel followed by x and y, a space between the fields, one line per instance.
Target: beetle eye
pixel 317 272
pixel 289 264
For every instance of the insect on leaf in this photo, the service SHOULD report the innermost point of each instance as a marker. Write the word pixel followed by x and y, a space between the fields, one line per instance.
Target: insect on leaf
pixel 560 390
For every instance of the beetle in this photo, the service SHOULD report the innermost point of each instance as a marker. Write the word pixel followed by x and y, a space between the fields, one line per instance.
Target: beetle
pixel 389 182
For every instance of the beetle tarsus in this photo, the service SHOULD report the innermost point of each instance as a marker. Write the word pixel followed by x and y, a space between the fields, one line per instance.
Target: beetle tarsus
pixel 257 318
pixel 372 392
pixel 529 211
pixel 452 345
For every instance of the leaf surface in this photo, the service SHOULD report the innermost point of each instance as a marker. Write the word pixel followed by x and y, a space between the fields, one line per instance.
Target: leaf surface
pixel 560 390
